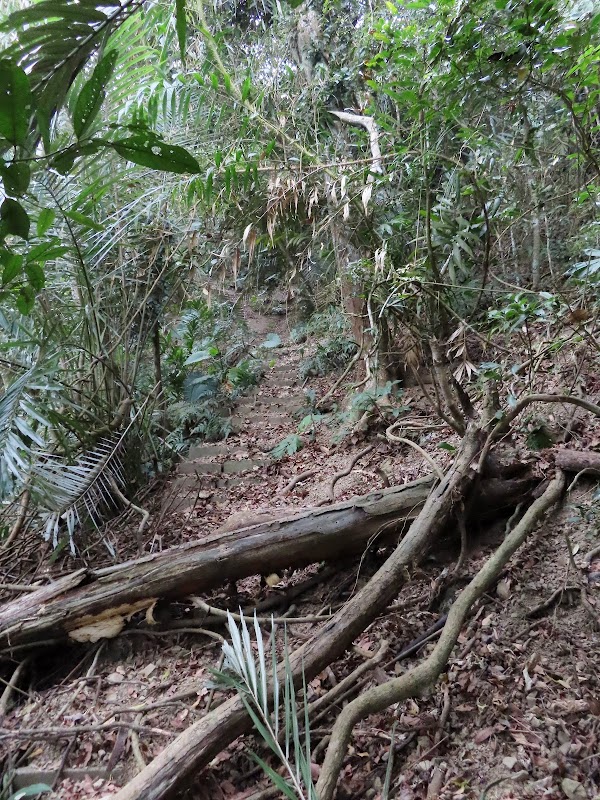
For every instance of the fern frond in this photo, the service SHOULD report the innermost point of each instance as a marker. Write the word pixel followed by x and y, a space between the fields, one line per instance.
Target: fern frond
pixel 86 488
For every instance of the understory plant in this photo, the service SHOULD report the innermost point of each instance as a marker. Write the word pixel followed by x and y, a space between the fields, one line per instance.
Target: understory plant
pixel 269 696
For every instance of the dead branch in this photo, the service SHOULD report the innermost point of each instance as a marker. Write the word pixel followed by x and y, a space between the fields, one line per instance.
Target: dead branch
pixel 75 730
pixel 331 391
pixel 504 423
pixel 425 674
pixel 296 480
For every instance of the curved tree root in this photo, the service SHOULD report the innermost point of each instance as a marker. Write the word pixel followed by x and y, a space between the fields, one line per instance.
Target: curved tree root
pixel 424 675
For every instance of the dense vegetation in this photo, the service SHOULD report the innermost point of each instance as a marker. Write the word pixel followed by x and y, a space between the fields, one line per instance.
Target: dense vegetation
pixel 434 170
pixel 419 183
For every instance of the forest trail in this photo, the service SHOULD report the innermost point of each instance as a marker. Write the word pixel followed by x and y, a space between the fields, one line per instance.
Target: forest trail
pixel 217 468
pixel 241 475
pixel 518 704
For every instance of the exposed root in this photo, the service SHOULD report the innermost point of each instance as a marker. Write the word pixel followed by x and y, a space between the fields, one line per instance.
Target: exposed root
pixel 10 687
pixel 203 740
pixel 346 471
pixel 296 480
pixel 425 674
pixel 142 511
pixel 21 516
pixel 391 437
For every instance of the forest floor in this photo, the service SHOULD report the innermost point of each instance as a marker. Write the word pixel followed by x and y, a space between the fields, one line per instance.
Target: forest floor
pixel 519 704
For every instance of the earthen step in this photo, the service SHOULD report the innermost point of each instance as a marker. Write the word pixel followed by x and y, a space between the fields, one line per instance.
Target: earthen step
pixel 283 382
pixel 215 468
pixel 261 418
pixel 208 450
pixel 269 405
pixel 187 489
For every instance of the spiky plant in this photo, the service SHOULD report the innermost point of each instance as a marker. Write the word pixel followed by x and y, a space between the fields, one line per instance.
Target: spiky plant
pixel 270 699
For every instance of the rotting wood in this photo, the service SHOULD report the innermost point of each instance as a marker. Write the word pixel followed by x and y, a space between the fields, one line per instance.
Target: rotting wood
pixel 578 461
pixel 90 605
pixel 201 742
pixel 104 598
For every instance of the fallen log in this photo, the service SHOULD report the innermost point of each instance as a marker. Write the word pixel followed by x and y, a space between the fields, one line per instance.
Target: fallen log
pixel 202 741
pixel 578 460
pixel 90 605
pixel 94 604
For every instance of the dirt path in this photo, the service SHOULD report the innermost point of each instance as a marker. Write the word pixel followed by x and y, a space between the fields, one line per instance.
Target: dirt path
pixel 519 703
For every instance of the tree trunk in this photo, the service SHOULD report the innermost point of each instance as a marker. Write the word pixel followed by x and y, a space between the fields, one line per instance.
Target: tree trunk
pixel 88 606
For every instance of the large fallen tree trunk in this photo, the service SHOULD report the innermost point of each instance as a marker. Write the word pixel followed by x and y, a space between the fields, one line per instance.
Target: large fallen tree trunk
pixel 201 742
pixel 90 605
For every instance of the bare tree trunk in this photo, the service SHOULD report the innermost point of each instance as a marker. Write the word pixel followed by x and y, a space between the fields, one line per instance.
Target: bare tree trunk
pixel 536 240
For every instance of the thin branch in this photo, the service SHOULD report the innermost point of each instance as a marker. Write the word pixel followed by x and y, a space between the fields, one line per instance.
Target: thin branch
pixel 504 423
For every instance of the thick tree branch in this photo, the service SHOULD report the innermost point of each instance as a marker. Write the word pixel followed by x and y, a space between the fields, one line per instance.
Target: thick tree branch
pixel 424 675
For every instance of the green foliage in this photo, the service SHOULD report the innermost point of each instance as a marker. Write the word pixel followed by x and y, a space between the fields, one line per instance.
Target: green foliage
pixel 333 354
pixel 200 419
pixel 93 94
pixel 251 670
pixel 53 43
pixel 525 308
pixel 287 447
pixel 33 790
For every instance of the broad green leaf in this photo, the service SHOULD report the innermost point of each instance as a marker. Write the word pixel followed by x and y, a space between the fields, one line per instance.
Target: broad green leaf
pixel 16 177
pixel 63 161
pixel 246 86
pixel 45 220
pixel 273 340
pixel 15 103
pixel 25 300
pixel 12 265
pixel 82 219
pixel 149 151
pixel 279 782
pixel 14 219
pixel 52 248
pixel 447 446
pixel 35 275
pixel 181 26
pixel 93 93
pixel 198 356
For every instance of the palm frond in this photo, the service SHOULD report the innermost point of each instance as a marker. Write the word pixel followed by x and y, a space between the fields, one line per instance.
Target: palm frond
pixel 54 40
pixel 21 426
pixel 247 668
pixel 87 488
